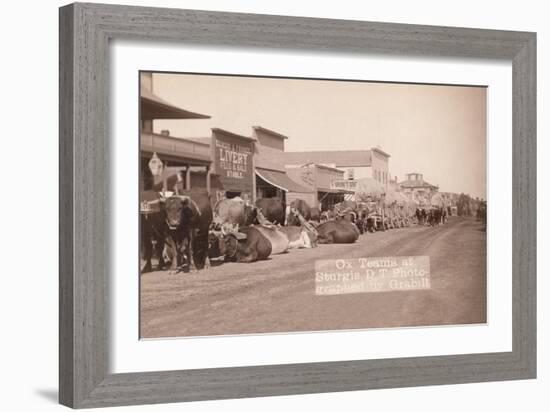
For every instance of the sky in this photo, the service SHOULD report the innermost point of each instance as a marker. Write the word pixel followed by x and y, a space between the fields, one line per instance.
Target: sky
pixel 436 130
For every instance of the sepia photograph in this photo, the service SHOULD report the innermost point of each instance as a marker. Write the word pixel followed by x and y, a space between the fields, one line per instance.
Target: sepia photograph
pixel 281 205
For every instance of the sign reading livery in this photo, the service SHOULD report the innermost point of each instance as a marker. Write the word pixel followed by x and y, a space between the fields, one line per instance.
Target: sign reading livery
pixel 233 159
pixel 232 156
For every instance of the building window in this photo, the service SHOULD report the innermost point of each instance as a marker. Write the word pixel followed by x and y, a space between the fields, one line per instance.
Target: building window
pixel 351 174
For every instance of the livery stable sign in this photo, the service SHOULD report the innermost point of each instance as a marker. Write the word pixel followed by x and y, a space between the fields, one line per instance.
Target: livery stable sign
pixel 233 161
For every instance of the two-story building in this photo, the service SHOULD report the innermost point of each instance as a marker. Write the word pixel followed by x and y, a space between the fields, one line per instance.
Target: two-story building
pixel 355 164
pixel 417 189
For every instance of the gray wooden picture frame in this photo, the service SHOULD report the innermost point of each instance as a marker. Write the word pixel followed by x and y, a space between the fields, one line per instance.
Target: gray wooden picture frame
pixel 85 32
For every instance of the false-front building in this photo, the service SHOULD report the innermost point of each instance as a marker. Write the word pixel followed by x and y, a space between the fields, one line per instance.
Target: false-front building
pixel 417 189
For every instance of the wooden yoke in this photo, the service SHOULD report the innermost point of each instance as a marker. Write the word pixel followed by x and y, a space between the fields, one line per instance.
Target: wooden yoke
pixel 308 226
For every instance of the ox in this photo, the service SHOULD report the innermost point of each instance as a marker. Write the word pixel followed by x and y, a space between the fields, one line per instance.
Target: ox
pixel 273 209
pixel 279 241
pixel 233 213
pixel 302 207
pixel 337 231
pixel 247 245
pixel 348 210
pixel 152 218
pixel 188 219
pixel 175 238
pixel 435 216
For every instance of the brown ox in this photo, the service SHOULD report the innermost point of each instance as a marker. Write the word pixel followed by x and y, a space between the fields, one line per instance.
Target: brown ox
pixel 273 209
pixel 232 213
pixel 337 231
pixel 188 219
pixel 303 208
pixel 248 245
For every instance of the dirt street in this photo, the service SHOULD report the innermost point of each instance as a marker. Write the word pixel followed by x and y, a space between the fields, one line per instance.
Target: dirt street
pixel 278 295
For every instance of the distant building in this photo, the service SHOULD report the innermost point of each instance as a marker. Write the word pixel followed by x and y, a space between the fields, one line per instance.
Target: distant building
pixel 319 181
pixel 356 164
pixel 416 188
pixel 271 178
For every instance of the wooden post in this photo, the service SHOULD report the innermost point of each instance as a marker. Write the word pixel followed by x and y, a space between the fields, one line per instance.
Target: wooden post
pixel 315 186
pixel 208 188
pixel 383 212
pixel 188 178
pixel 164 179
pixel 253 160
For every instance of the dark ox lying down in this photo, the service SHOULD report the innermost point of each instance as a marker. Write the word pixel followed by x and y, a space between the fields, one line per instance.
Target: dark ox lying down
pixel 337 231
pixel 249 244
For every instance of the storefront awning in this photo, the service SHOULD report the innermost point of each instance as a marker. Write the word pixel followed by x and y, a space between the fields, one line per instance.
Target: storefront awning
pixel 339 191
pixel 281 180
pixel 153 107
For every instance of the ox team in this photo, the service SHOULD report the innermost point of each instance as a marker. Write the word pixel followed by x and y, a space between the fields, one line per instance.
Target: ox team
pixel 187 231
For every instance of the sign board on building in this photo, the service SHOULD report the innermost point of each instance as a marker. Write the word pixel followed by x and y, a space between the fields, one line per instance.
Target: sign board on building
pixel 233 162
pixel 344 184
pixel 308 175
